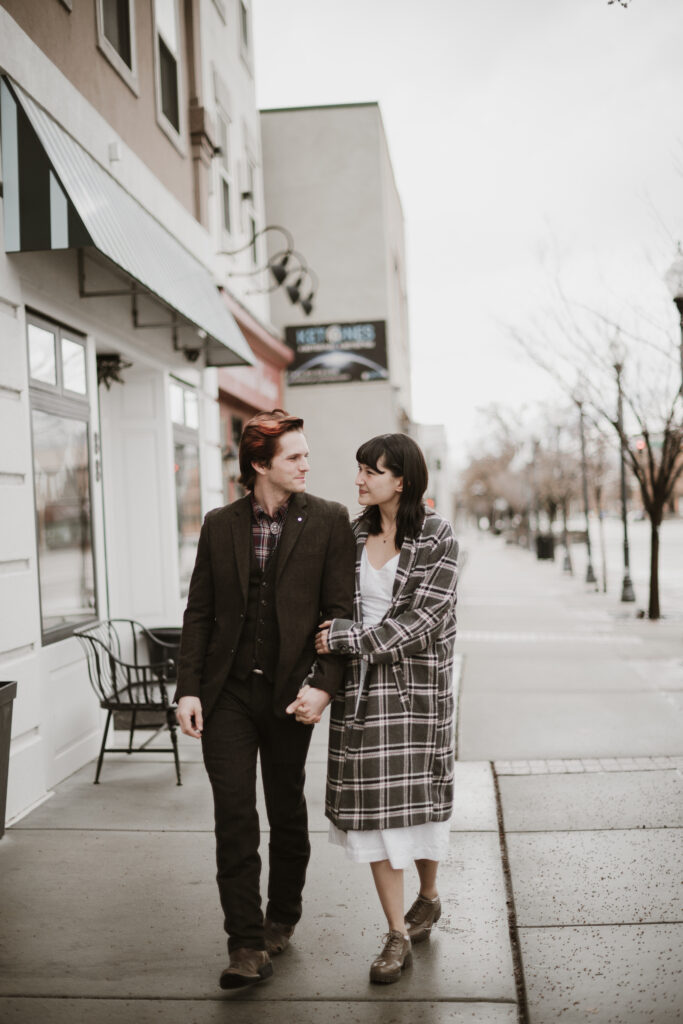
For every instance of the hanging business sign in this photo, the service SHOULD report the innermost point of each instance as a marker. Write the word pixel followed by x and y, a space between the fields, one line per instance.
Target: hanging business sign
pixel 337 353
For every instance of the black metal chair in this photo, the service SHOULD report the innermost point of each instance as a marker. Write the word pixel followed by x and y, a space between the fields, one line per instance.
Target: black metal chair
pixel 126 683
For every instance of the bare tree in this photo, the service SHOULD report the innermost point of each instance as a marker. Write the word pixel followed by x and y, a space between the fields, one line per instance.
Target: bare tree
pixel 575 343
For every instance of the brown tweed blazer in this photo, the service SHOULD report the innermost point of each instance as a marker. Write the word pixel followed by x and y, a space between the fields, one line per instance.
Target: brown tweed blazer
pixel 314 581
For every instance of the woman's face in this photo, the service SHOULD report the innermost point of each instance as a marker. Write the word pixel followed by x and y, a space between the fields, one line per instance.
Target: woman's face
pixel 377 486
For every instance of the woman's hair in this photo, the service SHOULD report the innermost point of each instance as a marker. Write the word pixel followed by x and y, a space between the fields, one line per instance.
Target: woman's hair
pixel 260 440
pixel 402 457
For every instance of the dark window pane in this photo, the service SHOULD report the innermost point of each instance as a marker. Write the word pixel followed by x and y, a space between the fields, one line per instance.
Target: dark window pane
pixel 254 240
pixel 188 505
pixel 244 22
pixel 62 484
pixel 226 205
pixel 116 16
pixel 168 72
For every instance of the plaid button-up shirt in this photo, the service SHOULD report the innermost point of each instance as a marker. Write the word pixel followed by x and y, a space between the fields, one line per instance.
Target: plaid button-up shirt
pixel 265 530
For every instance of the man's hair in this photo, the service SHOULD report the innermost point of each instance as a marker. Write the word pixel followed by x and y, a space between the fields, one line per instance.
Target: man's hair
pixel 260 441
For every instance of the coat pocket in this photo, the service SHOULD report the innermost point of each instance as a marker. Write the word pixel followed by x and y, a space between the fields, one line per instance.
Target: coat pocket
pixel 400 681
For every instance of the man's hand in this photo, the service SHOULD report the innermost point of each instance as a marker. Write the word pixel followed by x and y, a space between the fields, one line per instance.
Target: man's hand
pixel 309 705
pixel 189 715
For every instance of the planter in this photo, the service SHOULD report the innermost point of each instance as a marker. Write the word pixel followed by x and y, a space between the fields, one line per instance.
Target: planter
pixel 8 692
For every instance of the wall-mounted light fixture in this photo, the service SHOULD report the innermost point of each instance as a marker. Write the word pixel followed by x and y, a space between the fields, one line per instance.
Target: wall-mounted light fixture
pixel 280 269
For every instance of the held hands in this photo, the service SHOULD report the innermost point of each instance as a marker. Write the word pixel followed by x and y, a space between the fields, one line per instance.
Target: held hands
pixel 309 705
pixel 189 715
pixel 321 638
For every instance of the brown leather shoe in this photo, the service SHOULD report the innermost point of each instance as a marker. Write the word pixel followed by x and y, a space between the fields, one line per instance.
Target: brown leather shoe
pixel 277 936
pixel 422 915
pixel 247 966
pixel 387 967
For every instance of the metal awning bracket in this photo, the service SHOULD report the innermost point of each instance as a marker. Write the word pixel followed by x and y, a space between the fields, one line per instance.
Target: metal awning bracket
pixel 85 294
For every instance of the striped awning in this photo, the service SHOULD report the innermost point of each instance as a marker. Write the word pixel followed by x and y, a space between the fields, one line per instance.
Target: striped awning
pixel 56 196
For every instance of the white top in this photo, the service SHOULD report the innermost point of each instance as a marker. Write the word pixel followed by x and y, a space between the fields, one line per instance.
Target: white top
pixel 376 588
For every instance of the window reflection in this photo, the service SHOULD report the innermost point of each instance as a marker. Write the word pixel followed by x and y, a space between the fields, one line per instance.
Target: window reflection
pixel 73 366
pixel 41 352
pixel 62 486
pixel 188 505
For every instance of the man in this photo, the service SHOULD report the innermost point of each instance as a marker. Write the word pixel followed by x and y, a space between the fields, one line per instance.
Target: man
pixel 269 568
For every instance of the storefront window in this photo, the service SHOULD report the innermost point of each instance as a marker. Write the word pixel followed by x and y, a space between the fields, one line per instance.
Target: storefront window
pixel 63 517
pixel 60 418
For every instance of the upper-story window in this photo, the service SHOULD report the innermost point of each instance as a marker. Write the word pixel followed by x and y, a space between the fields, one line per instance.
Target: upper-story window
pixel 225 170
pixel 116 37
pixel 60 429
pixel 245 32
pixel 167 53
pixel 248 198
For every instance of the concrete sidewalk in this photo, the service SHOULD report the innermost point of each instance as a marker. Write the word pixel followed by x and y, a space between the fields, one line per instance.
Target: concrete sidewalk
pixel 110 910
pixel 578 706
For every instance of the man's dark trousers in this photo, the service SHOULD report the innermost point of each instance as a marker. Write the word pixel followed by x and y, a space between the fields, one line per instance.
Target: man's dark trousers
pixel 241 725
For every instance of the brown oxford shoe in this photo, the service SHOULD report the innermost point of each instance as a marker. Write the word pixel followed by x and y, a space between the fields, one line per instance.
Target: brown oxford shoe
pixel 247 966
pixel 421 917
pixel 277 936
pixel 387 967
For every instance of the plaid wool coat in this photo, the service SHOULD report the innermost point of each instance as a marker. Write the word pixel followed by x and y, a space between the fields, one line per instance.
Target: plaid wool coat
pixel 391 764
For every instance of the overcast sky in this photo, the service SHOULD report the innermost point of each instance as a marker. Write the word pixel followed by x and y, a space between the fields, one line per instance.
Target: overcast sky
pixel 523 134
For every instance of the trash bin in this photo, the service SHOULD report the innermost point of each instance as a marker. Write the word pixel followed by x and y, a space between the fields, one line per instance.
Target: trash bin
pixel 545 546
pixel 8 692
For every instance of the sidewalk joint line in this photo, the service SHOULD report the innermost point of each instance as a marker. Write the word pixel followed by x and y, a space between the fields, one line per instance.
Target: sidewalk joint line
pixel 575 831
pixel 602 924
pixel 515 945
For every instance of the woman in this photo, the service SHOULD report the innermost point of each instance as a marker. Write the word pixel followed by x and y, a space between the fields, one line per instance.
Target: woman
pixel 390 769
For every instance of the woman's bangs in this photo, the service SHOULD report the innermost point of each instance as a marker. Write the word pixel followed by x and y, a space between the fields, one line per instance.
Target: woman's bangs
pixel 370 452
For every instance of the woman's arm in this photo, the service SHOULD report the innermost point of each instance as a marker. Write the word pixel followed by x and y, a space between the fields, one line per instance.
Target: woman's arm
pixel 411 630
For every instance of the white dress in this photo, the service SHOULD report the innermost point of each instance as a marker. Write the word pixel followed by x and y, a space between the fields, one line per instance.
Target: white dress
pixel 400 846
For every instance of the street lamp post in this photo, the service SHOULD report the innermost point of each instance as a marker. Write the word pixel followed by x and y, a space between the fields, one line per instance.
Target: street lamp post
pixel 627 593
pixel 590 574
pixel 674 279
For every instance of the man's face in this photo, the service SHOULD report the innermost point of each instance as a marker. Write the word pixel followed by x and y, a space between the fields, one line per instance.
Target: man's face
pixel 289 465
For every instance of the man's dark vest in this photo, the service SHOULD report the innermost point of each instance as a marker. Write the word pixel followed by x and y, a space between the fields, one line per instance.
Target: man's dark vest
pixel 259 640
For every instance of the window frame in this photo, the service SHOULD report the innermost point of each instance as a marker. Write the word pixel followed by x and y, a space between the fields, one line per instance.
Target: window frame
pixel 55 400
pixel 175 135
pixel 128 74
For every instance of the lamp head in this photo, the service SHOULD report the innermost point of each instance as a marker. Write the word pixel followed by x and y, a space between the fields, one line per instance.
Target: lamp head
pixel 293 290
pixel 279 270
pixel 307 304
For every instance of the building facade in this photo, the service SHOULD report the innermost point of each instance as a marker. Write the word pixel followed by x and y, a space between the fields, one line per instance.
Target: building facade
pixel 328 176
pixel 132 199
